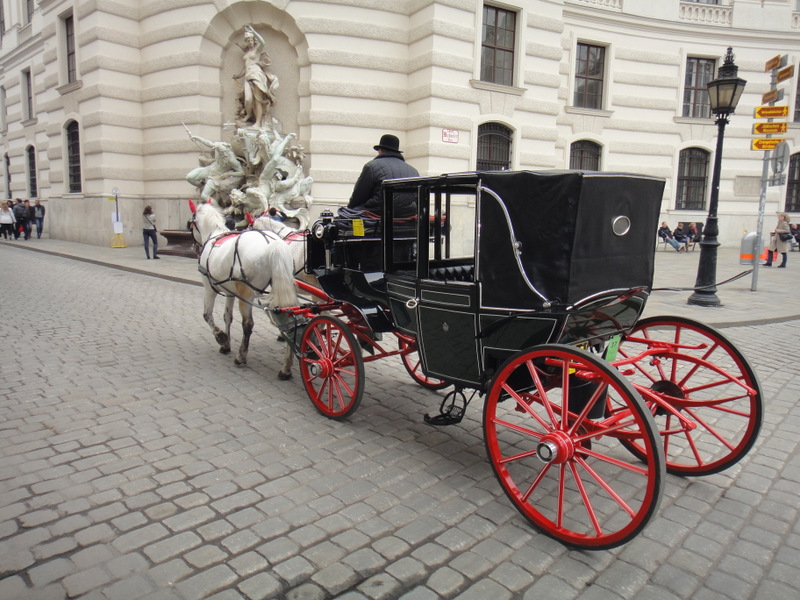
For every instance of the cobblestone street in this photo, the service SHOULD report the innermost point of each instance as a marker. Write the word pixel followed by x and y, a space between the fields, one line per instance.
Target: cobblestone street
pixel 138 462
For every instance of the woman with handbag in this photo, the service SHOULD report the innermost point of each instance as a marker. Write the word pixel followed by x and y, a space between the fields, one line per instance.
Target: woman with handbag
pixel 780 241
pixel 149 231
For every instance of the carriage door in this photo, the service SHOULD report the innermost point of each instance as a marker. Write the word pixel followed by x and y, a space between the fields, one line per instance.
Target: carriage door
pixel 447 292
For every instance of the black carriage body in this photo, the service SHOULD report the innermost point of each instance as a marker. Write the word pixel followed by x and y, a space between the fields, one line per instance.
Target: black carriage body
pixel 509 260
pixel 499 261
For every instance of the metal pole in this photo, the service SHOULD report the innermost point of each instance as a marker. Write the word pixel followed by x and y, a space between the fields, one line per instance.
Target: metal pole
pixel 705 293
pixel 762 203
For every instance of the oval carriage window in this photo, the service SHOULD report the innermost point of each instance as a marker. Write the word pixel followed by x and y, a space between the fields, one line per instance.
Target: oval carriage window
pixel 621 225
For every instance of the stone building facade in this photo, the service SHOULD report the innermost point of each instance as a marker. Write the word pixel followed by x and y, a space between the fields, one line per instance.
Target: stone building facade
pixel 94 95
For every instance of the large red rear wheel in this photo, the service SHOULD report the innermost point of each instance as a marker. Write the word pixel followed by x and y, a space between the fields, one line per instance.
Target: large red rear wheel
pixel 331 366
pixel 552 423
pixel 704 395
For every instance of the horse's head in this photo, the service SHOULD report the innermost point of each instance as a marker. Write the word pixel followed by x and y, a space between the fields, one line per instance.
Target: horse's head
pixel 207 220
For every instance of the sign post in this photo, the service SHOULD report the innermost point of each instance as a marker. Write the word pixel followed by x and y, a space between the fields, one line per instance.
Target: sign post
pixel 117 241
pixel 780 72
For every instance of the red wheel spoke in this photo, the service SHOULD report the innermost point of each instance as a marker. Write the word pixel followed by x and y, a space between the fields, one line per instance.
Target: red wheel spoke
pixel 527 408
pixel 609 490
pixel 587 504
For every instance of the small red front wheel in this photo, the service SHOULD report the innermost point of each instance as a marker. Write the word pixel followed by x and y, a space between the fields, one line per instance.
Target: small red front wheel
pixel 552 423
pixel 413 364
pixel 331 366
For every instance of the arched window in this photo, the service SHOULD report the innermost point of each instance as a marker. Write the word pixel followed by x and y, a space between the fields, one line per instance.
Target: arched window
pixel 584 155
pixel 793 185
pixel 692 179
pixel 494 147
pixel 33 189
pixel 73 158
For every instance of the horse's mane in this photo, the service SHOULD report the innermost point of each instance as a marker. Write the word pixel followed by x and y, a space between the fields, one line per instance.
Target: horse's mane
pixel 210 218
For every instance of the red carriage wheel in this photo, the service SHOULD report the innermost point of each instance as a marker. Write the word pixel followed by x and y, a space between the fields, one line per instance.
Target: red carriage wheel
pixel 413 365
pixel 704 395
pixel 552 423
pixel 332 367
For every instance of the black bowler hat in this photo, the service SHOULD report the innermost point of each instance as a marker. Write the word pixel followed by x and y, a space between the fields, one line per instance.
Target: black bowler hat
pixel 389 142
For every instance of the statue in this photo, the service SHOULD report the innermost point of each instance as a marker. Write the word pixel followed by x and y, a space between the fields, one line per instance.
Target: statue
pixel 217 179
pixel 258 94
pixel 261 169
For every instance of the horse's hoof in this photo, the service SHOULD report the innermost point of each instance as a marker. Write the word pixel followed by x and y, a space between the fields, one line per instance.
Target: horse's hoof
pixel 284 376
pixel 239 362
pixel 221 337
pixel 224 350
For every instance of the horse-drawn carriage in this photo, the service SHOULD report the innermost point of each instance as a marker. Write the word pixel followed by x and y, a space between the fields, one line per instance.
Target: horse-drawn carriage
pixel 526 289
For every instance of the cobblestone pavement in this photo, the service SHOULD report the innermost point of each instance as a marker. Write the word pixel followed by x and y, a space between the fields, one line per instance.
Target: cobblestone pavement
pixel 138 462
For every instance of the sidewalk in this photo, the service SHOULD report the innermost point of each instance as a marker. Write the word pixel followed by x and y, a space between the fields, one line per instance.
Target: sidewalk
pixel 775 301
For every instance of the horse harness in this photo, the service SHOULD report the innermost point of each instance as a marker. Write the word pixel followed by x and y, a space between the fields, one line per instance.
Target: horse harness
pixel 217 241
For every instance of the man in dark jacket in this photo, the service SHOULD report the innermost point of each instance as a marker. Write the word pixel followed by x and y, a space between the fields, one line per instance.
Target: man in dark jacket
pixel 389 164
pixel 21 214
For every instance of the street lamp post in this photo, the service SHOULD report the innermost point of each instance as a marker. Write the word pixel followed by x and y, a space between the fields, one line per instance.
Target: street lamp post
pixel 724 93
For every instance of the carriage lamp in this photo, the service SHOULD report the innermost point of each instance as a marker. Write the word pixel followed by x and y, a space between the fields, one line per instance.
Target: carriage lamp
pixel 724 93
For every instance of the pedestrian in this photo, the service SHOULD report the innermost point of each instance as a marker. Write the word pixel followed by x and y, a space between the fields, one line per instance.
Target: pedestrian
pixel 149 231
pixel 21 216
pixel 777 243
pixel 30 217
pixel 38 216
pixel 665 234
pixel 7 221
pixel 389 164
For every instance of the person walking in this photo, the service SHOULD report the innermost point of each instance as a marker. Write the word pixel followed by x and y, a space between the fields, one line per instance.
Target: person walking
pixel 777 243
pixel 38 216
pixel 389 164
pixel 149 231
pixel 7 221
pixel 21 215
pixel 29 219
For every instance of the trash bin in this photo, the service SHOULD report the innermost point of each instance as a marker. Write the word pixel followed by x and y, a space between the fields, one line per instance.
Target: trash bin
pixel 747 250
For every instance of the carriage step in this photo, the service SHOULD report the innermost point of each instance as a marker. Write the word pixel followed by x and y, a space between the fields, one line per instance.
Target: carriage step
pixel 443 420
pixel 451 411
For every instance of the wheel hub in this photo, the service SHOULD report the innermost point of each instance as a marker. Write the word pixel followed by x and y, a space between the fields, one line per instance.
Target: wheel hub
pixel 556 447
pixel 322 367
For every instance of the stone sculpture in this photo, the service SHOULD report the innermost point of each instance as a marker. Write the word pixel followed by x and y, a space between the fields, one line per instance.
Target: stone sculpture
pixel 260 168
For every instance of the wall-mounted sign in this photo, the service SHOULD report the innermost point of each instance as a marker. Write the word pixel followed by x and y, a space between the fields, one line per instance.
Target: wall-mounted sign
pixel 450 136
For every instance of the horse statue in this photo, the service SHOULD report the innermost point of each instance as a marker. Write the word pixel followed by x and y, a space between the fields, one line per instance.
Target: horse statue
pixel 241 265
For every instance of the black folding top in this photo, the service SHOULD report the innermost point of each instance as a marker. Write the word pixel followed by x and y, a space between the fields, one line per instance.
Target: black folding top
pixel 578 234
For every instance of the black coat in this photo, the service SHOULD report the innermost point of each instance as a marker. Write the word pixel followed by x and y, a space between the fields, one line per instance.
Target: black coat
pixel 367 193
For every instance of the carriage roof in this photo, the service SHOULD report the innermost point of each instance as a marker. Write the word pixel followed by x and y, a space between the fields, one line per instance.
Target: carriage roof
pixel 561 235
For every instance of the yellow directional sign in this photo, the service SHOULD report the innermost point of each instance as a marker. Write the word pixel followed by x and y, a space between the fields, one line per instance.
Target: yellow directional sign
pixel 785 74
pixel 766 143
pixel 772 63
pixel 770 128
pixel 771 112
pixel 775 95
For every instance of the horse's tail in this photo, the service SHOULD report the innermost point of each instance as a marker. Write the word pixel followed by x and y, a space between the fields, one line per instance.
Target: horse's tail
pixel 284 292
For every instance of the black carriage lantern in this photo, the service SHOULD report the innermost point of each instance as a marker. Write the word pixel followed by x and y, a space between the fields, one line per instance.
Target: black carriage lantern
pixel 724 93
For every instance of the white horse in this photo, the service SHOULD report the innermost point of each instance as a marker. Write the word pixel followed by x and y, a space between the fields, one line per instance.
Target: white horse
pixel 294 238
pixel 241 265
